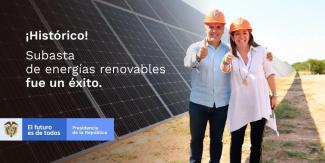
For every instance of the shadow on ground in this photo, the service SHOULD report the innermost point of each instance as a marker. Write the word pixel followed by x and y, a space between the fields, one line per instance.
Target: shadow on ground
pixel 299 140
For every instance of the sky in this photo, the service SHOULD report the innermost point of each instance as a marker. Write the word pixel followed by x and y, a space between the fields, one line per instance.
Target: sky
pixel 293 30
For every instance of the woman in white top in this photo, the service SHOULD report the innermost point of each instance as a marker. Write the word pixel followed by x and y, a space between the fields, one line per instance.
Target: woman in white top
pixel 251 74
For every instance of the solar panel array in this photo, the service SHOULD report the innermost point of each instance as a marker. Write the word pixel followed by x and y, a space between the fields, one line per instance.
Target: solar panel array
pixel 281 68
pixel 122 33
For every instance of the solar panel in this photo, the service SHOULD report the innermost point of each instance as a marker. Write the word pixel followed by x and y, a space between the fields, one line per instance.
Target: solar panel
pixel 281 68
pixel 134 107
pixel 120 92
pixel 142 7
pixel 184 38
pixel 16 100
pixel 181 13
pixel 164 13
pixel 170 46
pixel 170 86
pixel 119 3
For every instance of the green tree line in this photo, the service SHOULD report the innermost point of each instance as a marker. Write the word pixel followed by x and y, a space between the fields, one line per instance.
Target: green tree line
pixel 315 66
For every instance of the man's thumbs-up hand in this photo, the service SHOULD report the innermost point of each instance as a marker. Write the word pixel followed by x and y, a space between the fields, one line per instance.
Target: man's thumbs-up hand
pixel 203 50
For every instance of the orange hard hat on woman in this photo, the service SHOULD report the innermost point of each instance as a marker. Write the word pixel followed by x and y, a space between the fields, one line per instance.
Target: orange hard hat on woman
pixel 238 24
pixel 214 16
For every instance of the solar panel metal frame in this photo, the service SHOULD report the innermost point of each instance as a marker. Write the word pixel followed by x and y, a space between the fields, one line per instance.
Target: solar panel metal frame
pixel 59 46
pixel 127 111
pixel 145 33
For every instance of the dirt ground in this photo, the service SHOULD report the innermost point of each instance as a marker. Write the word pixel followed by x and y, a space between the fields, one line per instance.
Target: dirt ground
pixel 301 124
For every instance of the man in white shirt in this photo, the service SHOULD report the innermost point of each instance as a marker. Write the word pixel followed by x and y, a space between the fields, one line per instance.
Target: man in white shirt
pixel 210 88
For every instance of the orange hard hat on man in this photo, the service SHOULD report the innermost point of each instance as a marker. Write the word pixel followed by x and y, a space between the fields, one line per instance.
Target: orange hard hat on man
pixel 214 16
pixel 240 23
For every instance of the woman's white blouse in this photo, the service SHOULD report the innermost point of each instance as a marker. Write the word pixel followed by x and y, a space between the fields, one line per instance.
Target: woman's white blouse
pixel 250 102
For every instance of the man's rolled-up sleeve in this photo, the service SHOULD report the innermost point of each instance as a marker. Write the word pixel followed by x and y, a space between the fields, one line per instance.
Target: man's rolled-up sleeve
pixel 190 58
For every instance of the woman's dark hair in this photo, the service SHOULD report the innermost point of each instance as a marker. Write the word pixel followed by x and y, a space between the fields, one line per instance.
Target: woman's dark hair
pixel 251 42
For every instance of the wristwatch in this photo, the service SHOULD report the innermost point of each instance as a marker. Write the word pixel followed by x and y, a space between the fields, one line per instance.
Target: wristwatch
pixel 274 95
pixel 198 59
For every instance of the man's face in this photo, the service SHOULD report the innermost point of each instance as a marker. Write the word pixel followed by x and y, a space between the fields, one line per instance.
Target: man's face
pixel 214 31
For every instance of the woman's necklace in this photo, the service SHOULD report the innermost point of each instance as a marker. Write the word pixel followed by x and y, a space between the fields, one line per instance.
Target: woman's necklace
pixel 244 79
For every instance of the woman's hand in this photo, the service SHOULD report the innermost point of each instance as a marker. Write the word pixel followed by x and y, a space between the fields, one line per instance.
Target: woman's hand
pixel 274 102
pixel 226 61
pixel 269 56
pixel 228 58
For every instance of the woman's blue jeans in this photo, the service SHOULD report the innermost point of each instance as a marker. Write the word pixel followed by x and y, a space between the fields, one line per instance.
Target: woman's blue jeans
pixel 199 116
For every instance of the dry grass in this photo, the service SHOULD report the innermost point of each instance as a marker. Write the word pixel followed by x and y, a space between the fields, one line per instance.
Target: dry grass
pixel 301 124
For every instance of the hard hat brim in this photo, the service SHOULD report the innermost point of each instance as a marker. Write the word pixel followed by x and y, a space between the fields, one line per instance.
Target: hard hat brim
pixel 249 29
pixel 213 22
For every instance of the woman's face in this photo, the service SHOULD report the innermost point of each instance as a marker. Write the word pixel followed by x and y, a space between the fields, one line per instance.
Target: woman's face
pixel 241 37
